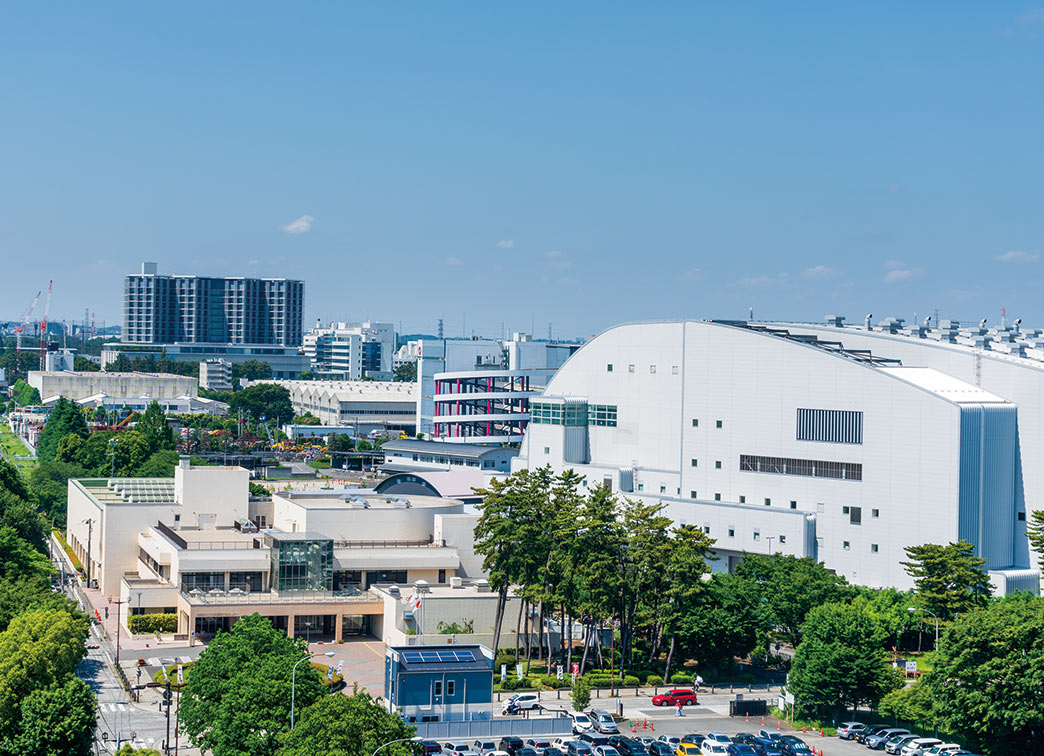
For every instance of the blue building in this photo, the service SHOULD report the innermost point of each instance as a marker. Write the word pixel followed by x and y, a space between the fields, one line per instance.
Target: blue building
pixel 439 683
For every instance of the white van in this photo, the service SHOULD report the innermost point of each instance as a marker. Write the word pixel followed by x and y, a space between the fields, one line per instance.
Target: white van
pixel 920 746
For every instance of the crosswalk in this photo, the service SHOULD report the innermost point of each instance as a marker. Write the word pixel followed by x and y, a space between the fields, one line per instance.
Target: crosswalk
pixel 156 661
pixel 115 707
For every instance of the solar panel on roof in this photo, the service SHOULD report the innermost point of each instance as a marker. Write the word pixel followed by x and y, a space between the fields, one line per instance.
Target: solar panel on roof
pixel 431 657
pixel 411 657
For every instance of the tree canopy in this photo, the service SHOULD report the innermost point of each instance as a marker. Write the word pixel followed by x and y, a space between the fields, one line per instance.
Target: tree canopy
pixel 65 418
pixel 949 579
pixel 406 372
pixel 153 427
pixel 266 400
pixel 339 725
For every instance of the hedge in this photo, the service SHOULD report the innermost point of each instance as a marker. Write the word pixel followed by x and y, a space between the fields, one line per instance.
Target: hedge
pixel 551 681
pixel 143 624
pixel 630 681
pixel 681 678
pixel 654 680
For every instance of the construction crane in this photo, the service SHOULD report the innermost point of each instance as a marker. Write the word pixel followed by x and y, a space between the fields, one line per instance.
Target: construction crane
pixel 22 324
pixel 268 433
pixel 43 325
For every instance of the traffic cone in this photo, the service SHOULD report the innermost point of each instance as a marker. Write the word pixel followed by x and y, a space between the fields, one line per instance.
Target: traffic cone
pixel 748 717
pixel 762 720
pixel 803 730
pixel 822 732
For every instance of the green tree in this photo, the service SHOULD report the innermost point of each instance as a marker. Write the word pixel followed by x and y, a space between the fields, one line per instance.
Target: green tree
pixel 339 725
pixel 66 417
pixel 306 419
pixel 690 548
pixel 23 592
pixel 256 489
pixel 59 719
pixel 840 661
pixel 50 483
pixel 236 698
pixel 40 648
pixel 160 464
pixel 129 750
pixel 988 674
pixel 1035 534
pixel 83 365
pixel 726 621
pixel 97 456
pixel 949 580
pixel 267 400
pixel 912 705
pixel 153 427
pixel 406 372
pixel 24 394
pixel 18 557
pixel 252 370
pixel 791 587
pixel 581 694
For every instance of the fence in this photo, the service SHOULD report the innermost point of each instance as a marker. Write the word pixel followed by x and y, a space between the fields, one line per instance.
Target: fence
pixel 495 728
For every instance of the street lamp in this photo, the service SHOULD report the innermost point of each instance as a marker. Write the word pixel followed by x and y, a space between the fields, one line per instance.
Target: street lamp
pixel 293 683
pixel 393 742
pixel 913 609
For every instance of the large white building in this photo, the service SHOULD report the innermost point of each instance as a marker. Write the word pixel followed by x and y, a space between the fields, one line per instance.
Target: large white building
pixel 364 405
pixel 352 350
pixel 75 386
pixel 775 440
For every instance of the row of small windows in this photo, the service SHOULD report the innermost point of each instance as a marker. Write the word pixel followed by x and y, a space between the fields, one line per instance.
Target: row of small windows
pixel 696 423
pixel 631 368
pixel 575 414
pixel 830 426
pixel 812 468
pixel 854 514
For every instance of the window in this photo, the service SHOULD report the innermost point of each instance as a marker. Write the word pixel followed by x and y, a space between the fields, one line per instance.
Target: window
pixel 602 415
pixel 717 497
pixel 450 685
pixel 694 462
pixel 768 502
pixel 695 422
pixel 873 548
pixel 793 505
pixel 641 486
pixel 782 538
pixel 732 532
pixel 845 510
pixel 717 423
pixel 855 516
pixel 692 495
pixel 609 368
pixel 630 368
pixel 437 687
pixel 757 534
pixel 830 426
pixel 717 464
pixel 706 528
pixel 1021 516
pixel 846 546
pixel 442 576
pixel 811 468
pixel 652 369
pixel 663 489
pixel 743 499
pixel 875 513
pixel 674 370
pixel 547 450
pixel 820 506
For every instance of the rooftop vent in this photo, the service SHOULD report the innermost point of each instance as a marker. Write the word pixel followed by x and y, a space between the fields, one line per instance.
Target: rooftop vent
pixel 482 585
pixel 393 590
pixel 422 586
pixel 838 321
pixel 456 582
pixel 892 325
pixel 245 526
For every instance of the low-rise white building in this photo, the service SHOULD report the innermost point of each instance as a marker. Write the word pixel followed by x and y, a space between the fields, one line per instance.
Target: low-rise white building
pixel 365 405
pixel 75 386
pixel 215 375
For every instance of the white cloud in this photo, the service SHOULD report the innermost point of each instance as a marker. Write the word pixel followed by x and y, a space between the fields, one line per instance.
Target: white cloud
pixel 253 262
pixel 506 243
pixel 695 274
pixel 453 261
pixel 893 264
pixel 300 226
pixel 897 272
pixel 1018 256
pixel 818 272
pixel 553 254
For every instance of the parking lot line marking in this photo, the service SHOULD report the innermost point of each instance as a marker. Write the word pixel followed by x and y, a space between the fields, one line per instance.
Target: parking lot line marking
pixel 378 653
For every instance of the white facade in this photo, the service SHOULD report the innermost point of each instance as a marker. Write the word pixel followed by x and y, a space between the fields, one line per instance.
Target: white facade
pixel 355 350
pixel 770 443
pixel 76 386
pixel 365 405
pixel 215 375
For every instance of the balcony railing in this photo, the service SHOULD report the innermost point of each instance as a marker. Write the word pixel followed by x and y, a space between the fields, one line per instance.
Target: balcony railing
pixel 430 543
pixel 224 598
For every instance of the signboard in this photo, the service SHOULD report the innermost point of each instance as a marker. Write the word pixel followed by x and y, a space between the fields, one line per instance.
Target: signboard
pixel 181 677
pixel 503 672
pixel 559 672
pixel 576 670
pixel 911 667
pixel 518 671
pixel 789 698
pixel 781 703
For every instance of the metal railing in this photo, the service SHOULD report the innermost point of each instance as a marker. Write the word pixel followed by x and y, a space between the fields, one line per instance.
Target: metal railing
pixel 279 597
pixel 429 543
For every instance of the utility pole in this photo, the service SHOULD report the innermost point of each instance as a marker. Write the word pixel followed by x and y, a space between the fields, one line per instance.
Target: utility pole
pixel 177 720
pixel 118 602
pixel 166 702
pixel 113 443
pixel 90 528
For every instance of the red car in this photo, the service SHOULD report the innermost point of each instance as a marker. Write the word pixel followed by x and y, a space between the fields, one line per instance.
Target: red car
pixel 683 696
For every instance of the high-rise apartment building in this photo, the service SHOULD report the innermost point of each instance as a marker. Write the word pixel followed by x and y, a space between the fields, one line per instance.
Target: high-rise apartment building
pixel 354 350
pixel 162 309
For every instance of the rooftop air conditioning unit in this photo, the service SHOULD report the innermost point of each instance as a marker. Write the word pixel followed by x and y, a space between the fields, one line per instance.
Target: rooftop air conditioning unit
pixel 456 582
pixel 482 585
pixel 422 586
pixel 393 590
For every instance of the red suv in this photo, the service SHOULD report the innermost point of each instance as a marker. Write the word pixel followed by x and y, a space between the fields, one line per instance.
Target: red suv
pixel 683 696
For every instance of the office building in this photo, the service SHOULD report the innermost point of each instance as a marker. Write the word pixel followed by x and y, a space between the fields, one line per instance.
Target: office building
pixel 286 362
pixel 351 351
pixel 363 405
pixel 777 441
pixel 171 309
pixel 215 375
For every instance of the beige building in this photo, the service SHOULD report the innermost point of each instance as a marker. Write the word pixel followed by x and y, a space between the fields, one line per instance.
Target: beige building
pixel 77 386
pixel 198 546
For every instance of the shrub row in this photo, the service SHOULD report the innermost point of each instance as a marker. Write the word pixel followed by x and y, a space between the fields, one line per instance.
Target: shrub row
pixel 141 624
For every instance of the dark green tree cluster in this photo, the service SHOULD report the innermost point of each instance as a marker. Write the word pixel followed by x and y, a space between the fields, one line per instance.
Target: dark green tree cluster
pixel 64 419
pixel 406 372
pixel 44 708
pixel 24 394
pixel 950 579
pixel 252 370
pixel 236 701
pixel 152 364
pixel 266 400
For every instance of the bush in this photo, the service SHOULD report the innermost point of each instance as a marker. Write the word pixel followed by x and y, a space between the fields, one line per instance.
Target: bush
pixel 630 681
pixel 513 683
pixel 654 680
pixel 681 678
pixel 505 658
pixel 319 463
pixel 142 624
pixel 550 681
pixel 581 695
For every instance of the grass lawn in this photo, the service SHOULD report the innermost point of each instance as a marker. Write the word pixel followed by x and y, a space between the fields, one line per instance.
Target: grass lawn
pixel 13 447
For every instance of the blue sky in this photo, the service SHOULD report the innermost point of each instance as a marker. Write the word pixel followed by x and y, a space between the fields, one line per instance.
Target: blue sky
pixel 579 163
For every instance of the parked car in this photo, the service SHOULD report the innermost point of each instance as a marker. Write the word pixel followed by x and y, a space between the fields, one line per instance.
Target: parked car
pixel 562 744
pixel 688 749
pixel 484 746
pixel 868 731
pixel 895 744
pixel 920 746
pixel 538 743
pixel 794 746
pixel 770 734
pixel 604 722
pixel 946 748
pixel 526 751
pixel 429 747
pixel 848 730
pixel 455 748
pixel 670 740
pixel 767 747
pixel 581 722
pixel 719 737
pixel 520 701
pixel 741 749
pixel 714 748
pixel 683 696
pixel 593 739
pixel 606 750
pixel 628 746
pixel 694 737
pixel 876 742
pixel 657 748
pixel 510 744
pixel 578 748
